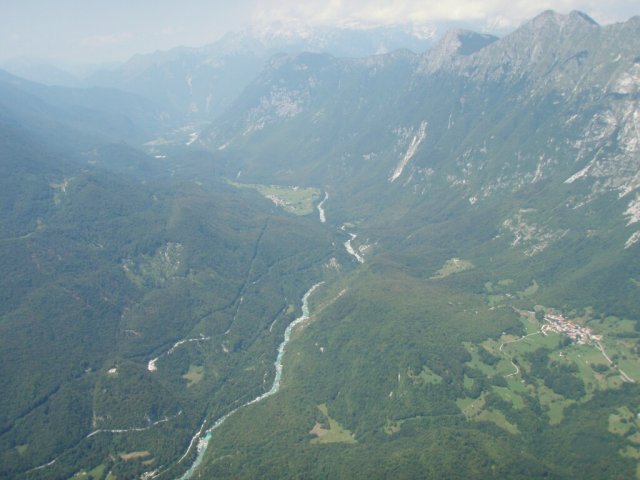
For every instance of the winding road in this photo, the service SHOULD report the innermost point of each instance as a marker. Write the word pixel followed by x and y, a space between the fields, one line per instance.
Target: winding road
pixel 517 371
pixel 152 365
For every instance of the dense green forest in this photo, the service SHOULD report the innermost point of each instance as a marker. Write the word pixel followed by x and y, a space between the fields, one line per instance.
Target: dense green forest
pixel 108 264
pixel 113 274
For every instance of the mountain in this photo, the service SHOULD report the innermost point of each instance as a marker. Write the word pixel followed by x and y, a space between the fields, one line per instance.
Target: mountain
pixel 201 82
pixel 77 115
pixel 109 263
pixel 407 265
pixel 40 71
pixel 492 186
pixel 550 106
pixel 47 131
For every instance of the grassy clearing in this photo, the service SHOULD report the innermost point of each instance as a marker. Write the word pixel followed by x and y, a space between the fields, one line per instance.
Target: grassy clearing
pixel 473 410
pixel 630 452
pixel 623 422
pixel 95 474
pixel 547 396
pixel 502 286
pixel 530 290
pixel 392 427
pixel 468 382
pixel 556 411
pixel 22 449
pixel 156 269
pixel 517 385
pixel 506 394
pixel 630 366
pixel 453 265
pixel 533 343
pixel 134 455
pixel 613 325
pixel 529 322
pixel 296 200
pixel 497 417
pixel 516 350
pixel 583 357
pixel 622 353
pixel 336 433
pixel 425 377
pixel 498 293
pixel 471 407
pixel 475 361
pixel 494 300
pixel 614 382
pixel 554 403
pixel 493 346
pixel 503 366
pixel 194 375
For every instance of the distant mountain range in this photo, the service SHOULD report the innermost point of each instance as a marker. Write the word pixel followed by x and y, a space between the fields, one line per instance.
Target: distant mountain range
pixel 546 115
pixel 201 82
pixel 90 225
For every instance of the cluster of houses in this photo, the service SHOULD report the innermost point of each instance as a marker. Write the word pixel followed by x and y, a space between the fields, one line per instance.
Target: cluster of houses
pixel 578 333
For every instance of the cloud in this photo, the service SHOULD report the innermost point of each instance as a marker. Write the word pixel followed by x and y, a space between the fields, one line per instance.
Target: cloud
pixel 97 41
pixel 499 14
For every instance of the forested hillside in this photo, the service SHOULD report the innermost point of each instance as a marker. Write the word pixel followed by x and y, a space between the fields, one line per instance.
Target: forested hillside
pixel 491 186
pixel 109 261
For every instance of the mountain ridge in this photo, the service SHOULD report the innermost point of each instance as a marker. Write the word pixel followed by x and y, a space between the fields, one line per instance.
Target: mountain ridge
pixel 200 81
pixel 484 127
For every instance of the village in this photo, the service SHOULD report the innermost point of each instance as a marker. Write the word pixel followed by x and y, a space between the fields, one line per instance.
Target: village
pixel 578 333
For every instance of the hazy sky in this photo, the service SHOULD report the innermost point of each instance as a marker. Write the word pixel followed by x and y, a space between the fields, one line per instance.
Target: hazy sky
pixel 91 31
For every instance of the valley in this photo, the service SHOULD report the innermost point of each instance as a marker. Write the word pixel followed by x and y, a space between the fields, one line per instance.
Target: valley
pixel 203 441
pixel 484 242
pixel 301 264
pixel 296 200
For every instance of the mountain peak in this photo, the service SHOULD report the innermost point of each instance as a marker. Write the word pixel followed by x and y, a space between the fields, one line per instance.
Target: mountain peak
pixel 535 46
pixel 455 43
pixel 576 14
pixel 550 18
